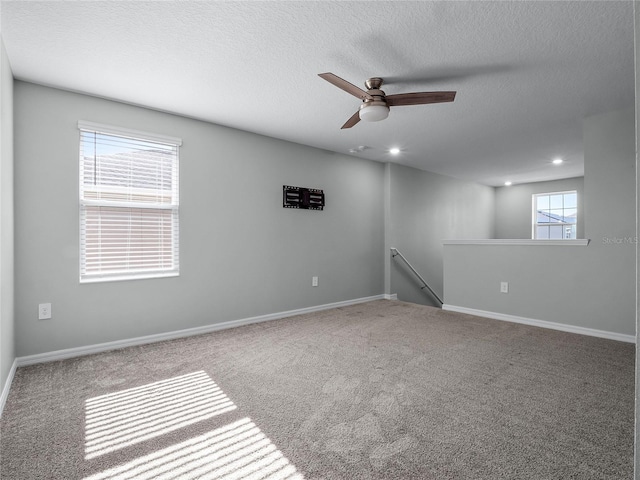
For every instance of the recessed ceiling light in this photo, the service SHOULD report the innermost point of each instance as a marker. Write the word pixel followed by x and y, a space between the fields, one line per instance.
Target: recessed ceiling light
pixel 394 151
pixel 508 183
pixel 557 161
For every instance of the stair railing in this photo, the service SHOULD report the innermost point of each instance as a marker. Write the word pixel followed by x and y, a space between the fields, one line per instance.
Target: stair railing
pixel 396 253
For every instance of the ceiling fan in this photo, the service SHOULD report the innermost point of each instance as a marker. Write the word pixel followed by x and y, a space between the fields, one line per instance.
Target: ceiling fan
pixel 375 103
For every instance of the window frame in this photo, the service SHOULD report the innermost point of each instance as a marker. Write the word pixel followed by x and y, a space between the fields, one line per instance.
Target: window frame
pixel 534 215
pixel 133 207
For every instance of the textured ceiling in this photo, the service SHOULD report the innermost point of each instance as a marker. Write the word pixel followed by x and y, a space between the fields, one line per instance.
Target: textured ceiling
pixel 526 72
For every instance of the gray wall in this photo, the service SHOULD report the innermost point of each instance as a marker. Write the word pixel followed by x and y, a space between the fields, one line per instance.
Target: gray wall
pixel 592 286
pixel 561 284
pixel 514 207
pixel 610 210
pixel 7 352
pixel 241 253
pixel 425 209
pixel 609 179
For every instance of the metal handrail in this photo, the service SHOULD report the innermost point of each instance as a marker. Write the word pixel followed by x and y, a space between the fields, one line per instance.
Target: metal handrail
pixel 425 284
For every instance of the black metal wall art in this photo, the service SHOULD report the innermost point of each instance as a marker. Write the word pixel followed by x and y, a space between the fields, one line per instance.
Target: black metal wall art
pixel 300 197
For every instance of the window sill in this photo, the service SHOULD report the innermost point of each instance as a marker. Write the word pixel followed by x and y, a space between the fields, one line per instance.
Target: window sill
pixel 120 278
pixel 581 242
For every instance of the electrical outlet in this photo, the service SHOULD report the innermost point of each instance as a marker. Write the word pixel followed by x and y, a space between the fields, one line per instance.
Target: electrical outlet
pixel 504 287
pixel 314 281
pixel 44 311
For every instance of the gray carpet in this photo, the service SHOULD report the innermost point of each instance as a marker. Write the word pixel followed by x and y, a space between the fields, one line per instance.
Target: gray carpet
pixel 378 390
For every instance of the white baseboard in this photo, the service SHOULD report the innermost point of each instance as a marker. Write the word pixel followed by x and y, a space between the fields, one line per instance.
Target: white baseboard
pixel 130 342
pixel 390 296
pixel 543 323
pixel 7 386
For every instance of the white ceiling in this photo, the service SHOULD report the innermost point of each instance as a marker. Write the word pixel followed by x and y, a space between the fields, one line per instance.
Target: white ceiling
pixel 526 72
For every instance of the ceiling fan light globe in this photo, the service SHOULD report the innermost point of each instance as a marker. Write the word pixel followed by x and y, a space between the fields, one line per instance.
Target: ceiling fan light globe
pixel 373 113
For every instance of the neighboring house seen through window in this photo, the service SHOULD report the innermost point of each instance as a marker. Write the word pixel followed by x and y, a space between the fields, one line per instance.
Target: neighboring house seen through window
pixel 555 215
pixel 128 204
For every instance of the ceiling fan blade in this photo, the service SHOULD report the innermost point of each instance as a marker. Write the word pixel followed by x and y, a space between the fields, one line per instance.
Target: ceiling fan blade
pixel 344 85
pixel 419 98
pixel 355 118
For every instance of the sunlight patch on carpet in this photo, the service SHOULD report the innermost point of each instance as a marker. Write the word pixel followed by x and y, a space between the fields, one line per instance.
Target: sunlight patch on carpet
pixel 118 420
pixel 237 451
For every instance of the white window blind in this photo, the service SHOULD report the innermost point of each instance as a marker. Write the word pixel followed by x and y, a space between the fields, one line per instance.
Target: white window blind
pixel 128 204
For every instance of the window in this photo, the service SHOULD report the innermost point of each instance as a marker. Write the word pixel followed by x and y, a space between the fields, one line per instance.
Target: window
pixel 128 204
pixel 555 215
